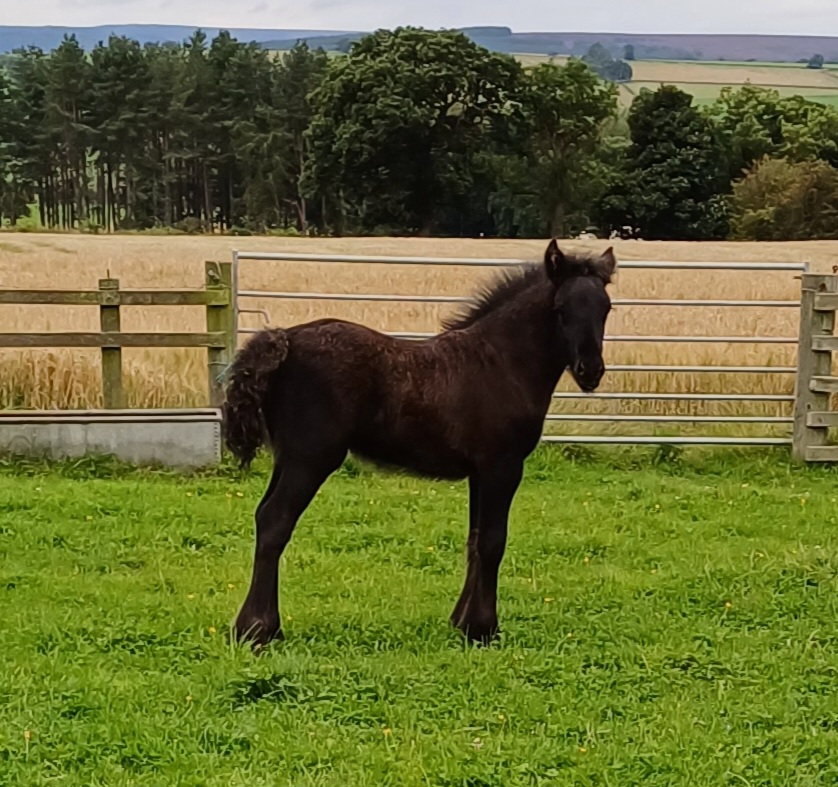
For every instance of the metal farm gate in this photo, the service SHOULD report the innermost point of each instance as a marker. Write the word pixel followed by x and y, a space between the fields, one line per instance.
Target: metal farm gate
pixel 244 297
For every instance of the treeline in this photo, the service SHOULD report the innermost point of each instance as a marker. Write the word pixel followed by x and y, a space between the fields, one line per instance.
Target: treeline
pixel 412 131
pixel 200 136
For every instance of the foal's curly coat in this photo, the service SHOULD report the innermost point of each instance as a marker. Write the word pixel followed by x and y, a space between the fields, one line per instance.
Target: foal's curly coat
pixel 467 403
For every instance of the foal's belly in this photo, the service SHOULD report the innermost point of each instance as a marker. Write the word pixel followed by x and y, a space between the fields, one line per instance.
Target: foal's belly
pixel 423 456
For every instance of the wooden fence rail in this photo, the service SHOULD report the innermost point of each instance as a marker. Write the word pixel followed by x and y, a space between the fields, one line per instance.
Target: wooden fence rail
pixel 219 338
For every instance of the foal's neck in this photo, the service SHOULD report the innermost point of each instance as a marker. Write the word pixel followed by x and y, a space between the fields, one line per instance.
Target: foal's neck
pixel 524 331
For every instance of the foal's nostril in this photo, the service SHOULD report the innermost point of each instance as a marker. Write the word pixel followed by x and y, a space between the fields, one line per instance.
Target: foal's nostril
pixel 590 375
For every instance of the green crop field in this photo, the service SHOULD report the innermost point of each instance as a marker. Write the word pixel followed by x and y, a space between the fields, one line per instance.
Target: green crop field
pixel 667 621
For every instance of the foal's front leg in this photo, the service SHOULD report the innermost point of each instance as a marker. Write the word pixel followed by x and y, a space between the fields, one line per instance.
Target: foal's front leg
pixel 471 553
pixel 496 488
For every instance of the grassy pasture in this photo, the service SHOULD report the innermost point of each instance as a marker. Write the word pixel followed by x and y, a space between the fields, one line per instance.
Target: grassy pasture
pixel 666 621
pixel 65 379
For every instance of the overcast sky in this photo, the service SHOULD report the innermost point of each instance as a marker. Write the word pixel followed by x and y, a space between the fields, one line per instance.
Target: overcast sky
pixel 800 17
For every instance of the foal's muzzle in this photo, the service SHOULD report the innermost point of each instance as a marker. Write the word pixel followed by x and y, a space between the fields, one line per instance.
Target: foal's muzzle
pixel 588 375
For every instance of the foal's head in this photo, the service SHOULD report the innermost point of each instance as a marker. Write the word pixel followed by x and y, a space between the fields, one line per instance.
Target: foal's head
pixel 581 305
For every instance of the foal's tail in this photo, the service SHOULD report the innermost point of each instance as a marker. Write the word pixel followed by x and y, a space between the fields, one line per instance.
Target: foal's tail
pixel 249 378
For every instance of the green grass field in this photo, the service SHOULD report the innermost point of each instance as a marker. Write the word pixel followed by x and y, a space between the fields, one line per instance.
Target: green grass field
pixel 667 621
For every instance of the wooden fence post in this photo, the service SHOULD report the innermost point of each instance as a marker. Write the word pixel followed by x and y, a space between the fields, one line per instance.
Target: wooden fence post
pixel 812 363
pixel 220 319
pixel 109 322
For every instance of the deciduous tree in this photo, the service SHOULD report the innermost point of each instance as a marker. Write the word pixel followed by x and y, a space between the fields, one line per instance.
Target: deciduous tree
pixel 400 122
pixel 673 180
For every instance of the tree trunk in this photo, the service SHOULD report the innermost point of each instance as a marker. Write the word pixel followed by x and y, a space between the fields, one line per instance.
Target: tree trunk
pixel 42 206
pixel 207 204
pixel 82 208
pixel 557 226
pixel 302 209
pixel 113 218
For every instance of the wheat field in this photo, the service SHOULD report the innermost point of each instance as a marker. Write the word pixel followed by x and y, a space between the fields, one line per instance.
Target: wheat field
pixel 705 80
pixel 45 379
pixel 718 73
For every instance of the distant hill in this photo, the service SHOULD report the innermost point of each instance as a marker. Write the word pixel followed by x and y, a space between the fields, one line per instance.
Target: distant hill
pixel 776 49
pixel 49 37
pixel 679 47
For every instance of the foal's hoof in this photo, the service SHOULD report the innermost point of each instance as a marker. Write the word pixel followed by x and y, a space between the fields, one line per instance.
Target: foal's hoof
pixel 257 631
pixel 480 634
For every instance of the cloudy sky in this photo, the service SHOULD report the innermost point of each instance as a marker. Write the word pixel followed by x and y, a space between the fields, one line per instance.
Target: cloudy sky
pixel 801 17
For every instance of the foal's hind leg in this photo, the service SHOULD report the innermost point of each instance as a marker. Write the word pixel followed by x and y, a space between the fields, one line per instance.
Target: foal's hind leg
pixel 478 618
pixel 292 488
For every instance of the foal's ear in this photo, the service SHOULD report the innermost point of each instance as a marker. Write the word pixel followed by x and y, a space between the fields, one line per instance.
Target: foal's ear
pixel 555 262
pixel 606 264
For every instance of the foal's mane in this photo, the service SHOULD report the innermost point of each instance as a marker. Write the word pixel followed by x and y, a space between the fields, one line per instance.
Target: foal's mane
pixel 510 284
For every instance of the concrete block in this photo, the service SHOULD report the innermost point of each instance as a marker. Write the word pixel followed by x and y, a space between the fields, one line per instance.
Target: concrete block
pixel 175 438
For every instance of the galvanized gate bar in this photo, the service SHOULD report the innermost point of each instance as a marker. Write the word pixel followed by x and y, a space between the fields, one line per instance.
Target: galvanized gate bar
pixel 628 338
pixel 620 367
pixel 666 419
pixel 395 298
pixel 661 440
pixel 505 262
pixel 684 397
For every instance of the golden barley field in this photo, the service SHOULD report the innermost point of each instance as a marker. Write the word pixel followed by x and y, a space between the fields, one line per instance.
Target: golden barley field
pixel 178 378
pixel 705 80
pixel 719 73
